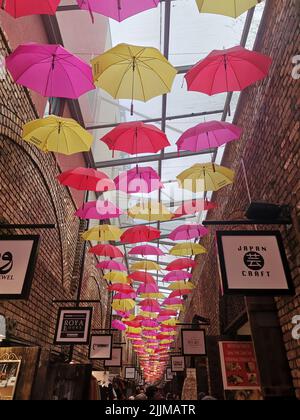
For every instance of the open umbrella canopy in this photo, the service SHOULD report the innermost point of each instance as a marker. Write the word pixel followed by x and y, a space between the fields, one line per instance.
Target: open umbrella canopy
pixel 150 305
pixel 139 180
pixel 20 8
pixel 205 177
pixel 142 277
pixel 50 70
pixel 123 305
pixel 208 135
pixel 177 275
pixel 121 288
pixel 102 233
pixel 229 70
pixel 231 8
pixel 86 179
pixel 154 295
pixel 116 277
pixel 118 10
pixel 172 301
pixel 133 72
pixel 111 265
pixel 118 325
pixel 59 135
pixel 186 232
pixel 180 292
pixel 122 296
pixel 187 248
pixel 106 251
pixel 135 138
pixel 151 211
pixel 181 285
pixel 192 207
pixel 145 266
pixel 181 264
pixel 146 250
pixel 99 210
pixel 139 234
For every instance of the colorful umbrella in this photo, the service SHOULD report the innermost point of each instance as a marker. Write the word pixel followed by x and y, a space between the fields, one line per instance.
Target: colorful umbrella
pixel 59 135
pixel 133 72
pixel 118 325
pixel 121 288
pixel 187 248
pixel 208 135
pixel 20 8
pixel 177 275
pixel 117 277
pixel 150 305
pixel 86 179
pixel 151 211
pixel 121 296
pixel 185 232
pixel 146 250
pixel 181 292
pixel 172 302
pixel 99 210
pixel 205 177
pixel 123 305
pixel 111 265
pixel 192 207
pixel 142 277
pixel 154 295
pixel 136 138
pixel 106 251
pixel 166 312
pixel 145 266
pixel 232 8
pixel 228 71
pixel 151 323
pixel 139 234
pixel 181 264
pixel 181 285
pixel 139 180
pixel 102 233
pixel 50 70
pixel 117 9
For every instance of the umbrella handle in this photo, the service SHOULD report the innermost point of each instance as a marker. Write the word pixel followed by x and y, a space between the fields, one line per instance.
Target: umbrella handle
pixel 91 12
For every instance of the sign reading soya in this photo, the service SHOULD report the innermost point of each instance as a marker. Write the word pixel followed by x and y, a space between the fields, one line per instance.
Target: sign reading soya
pixel 253 263
pixel 18 256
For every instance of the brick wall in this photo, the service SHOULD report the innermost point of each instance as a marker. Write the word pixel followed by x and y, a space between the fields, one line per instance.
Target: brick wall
pixel 29 193
pixel 269 114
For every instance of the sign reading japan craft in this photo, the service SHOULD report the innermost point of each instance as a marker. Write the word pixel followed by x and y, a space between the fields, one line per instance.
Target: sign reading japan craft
pixel 253 263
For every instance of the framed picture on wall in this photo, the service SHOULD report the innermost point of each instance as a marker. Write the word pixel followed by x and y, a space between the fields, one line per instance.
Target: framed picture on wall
pixel 193 342
pixel 116 358
pixel 177 364
pixel 101 347
pixel 130 372
pixel 73 326
pixel 169 374
pixel 18 256
pixel 9 373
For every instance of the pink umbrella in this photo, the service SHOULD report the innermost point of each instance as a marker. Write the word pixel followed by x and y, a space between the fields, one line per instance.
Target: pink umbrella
pixel 117 9
pixel 139 180
pixel 150 323
pixel 118 325
pixel 193 206
pixel 208 135
pixel 181 264
pixel 173 301
pixel 146 250
pixel 150 305
pixel 228 71
pixel 186 232
pixel 50 70
pixel 121 296
pixel 149 333
pixel 86 179
pixel 148 288
pixel 106 251
pixel 111 265
pixel 177 275
pixel 100 210
pixel 123 314
pixel 20 8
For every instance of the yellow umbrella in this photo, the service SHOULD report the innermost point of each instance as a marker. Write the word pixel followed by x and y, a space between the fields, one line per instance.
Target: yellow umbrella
pixel 148 314
pixel 123 305
pixel 232 8
pixel 170 322
pixel 134 330
pixel 103 233
pixel 166 341
pixel 133 72
pixel 152 296
pixel 117 277
pixel 169 333
pixel 145 266
pixel 205 177
pixel 181 285
pixel 151 211
pixel 187 249
pixel 175 307
pixel 60 135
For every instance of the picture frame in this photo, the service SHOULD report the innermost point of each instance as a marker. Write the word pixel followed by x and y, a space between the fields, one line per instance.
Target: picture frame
pixel 193 342
pixel 116 359
pixel 18 257
pixel 73 326
pixel 101 347
pixel 177 364
pixel 169 374
pixel 9 374
pixel 130 372
pixel 253 263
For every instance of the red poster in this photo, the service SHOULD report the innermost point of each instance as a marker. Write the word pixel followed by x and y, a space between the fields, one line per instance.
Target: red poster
pixel 239 367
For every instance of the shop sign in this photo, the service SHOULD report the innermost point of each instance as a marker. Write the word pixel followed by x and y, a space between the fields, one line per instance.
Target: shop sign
pixel 101 347
pixel 253 263
pixel 178 364
pixel 239 367
pixel 9 372
pixel 193 342
pixel 73 326
pixel 18 255
pixel 130 373
pixel 116 358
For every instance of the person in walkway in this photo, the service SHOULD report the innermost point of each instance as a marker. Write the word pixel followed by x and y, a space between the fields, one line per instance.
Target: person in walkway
pixel 140 394
pixel 153 393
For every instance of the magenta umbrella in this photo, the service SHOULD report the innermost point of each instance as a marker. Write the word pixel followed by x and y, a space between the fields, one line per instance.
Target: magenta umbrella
pixel 186 232
pixel 150 323
pixel 139 180
pixel 99 210
pixel 177 275
pixel 117 9
pixel 208 135
pixel 229 70
pixel 148 288
pixel 125 296
pixel 111 265
pixel 50 70
pixel 20 8
pixel 118 325
pixel 173 301
pixel 146 250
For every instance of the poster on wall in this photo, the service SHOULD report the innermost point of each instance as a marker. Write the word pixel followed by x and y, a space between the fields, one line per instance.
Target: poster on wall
pixel 130 373
pixel 73 326
pixel 193 342
pixel 116 358
pixel 239 367
pixel 101 347
pixel 169 374
pixel 9 373
pixel 177 364
pixel 253 263
pixel 18 255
